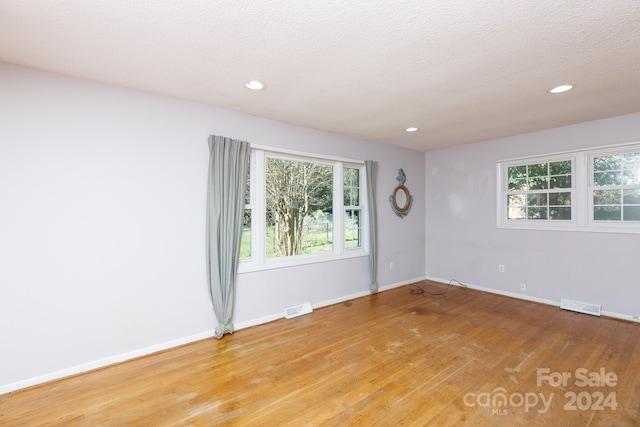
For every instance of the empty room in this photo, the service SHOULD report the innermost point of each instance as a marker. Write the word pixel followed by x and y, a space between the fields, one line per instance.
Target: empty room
pixel 319 213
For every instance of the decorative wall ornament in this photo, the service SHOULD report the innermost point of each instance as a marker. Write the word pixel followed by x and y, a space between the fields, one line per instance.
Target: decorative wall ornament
pixel 401 200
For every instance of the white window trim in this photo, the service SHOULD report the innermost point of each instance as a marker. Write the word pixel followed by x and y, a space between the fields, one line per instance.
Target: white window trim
pixel 581 185
pixel 258 261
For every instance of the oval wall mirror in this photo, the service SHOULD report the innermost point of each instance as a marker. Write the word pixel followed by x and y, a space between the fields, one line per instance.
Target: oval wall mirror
pixel 401 200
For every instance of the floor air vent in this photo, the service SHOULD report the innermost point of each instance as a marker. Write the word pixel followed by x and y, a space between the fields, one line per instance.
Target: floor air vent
pixel 580 307
pixel 297 310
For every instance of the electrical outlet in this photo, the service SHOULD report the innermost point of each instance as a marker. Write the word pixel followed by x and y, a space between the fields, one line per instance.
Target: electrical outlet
pixel 501 268
pixel 523 287
pixel 392 265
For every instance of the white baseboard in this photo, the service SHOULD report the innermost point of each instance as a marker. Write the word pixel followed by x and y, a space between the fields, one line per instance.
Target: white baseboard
pixel 605 313
pixel 276 316
pixel 365 293
pixel 629 317
pixel 118 358
pixel 101 363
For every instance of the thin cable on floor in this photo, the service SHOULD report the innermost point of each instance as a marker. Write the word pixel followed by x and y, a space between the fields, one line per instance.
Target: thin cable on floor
pixel 417 290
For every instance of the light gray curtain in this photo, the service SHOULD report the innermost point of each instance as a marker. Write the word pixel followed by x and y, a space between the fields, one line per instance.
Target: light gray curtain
pixel 228 159
pixel 372 171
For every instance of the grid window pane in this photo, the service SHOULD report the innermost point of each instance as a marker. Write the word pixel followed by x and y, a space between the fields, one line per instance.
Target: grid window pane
pixel 529 191
pixel 560 213
pixel 560 168
pixel 621 174
pixel 351 187
pixel 631 177
pixel 353 228
pixel 517 200
pixel 556 199
pixel 537 213
pixel 631 173
pixel 631 213
pixel 631 197
pixel 538 183
pixel 607 163
pixel 518 184
pixel 607 213
pixel 517 206
pixel 356 197
pixel 517 172
pixel 563 181
pixel 540 169
pixel 245 245
pixel 632 160
pixel 353 221
pixel 601 179
pixel 537 200
pixel 607 197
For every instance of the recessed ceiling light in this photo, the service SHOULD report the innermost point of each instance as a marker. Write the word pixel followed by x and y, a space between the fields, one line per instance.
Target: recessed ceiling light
pixel 560 89
pixel 254 85
pixel 411 129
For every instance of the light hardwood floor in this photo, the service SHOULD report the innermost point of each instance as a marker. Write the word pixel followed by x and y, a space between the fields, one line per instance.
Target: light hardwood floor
pixel 389 359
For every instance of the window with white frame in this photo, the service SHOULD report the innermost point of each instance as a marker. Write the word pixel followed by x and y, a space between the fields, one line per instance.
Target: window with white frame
pixel 301 209
pixel 540 191
pixel 589 190
pixel 615 187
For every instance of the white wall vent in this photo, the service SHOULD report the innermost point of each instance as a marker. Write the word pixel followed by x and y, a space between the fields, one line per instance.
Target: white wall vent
pixel 580 307
pixel 297 310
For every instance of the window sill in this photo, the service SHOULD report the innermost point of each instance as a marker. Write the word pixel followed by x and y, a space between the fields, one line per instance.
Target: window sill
pixel 591 228
pixel 250 267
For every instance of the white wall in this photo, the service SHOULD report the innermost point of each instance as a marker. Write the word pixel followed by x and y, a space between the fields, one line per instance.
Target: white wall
pixel 102 202
pixel 464 243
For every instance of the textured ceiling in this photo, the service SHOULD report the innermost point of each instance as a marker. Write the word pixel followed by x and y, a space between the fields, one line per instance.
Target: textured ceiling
pixel 461 71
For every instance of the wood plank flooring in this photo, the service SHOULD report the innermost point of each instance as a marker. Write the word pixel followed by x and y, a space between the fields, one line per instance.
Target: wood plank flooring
pixel 466 358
